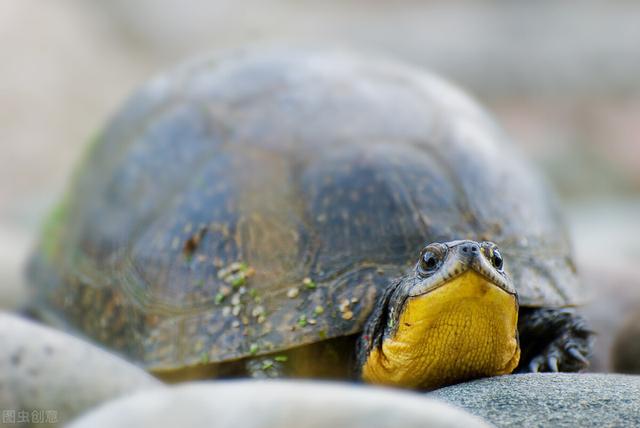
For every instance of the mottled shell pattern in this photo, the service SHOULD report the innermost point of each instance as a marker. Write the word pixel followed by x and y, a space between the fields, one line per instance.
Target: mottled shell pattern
pixel 243 205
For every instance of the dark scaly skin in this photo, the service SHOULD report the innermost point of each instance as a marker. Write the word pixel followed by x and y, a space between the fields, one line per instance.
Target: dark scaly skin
pixel 301 166
pixel 553 340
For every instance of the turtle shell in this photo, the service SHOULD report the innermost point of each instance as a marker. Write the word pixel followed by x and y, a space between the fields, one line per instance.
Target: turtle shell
pixel 250 204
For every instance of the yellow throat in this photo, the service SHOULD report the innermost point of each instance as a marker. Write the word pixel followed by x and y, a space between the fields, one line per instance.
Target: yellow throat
pixel 464 329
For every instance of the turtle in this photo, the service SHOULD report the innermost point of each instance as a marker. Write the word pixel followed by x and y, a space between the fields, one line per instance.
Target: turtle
pixel 311 214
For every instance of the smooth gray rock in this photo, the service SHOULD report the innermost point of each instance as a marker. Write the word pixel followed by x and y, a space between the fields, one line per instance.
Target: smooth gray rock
pixel 550 400
pixel 47 370
pixel 271 404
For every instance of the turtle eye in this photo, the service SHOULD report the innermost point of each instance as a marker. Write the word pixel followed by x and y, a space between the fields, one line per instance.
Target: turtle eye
pixel 429 261
pixel 496 259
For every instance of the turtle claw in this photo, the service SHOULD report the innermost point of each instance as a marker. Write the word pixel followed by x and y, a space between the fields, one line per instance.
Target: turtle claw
pixel 577 355
pixel 562 355
pixel 558 340
pixel 547 362
pixel 554 360
pixel 534 365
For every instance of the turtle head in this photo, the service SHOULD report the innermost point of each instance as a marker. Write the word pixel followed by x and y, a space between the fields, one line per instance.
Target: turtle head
pixel 442 263
pixel 453 317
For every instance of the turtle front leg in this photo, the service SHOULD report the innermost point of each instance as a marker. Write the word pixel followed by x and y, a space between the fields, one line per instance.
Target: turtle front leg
pixel 553 340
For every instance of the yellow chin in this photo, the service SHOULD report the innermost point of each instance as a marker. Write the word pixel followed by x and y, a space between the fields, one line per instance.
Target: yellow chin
pixel 462 330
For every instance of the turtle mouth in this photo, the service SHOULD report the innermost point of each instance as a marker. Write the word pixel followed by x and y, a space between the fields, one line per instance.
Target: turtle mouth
pixel 493 278
pixel 440 264
pixel 462 329
pixel 445 279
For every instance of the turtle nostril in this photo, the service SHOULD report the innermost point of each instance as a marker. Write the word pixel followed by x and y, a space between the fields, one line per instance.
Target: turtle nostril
pixel 470 248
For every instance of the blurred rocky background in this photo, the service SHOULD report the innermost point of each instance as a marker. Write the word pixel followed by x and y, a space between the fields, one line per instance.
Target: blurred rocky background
pixel 561 77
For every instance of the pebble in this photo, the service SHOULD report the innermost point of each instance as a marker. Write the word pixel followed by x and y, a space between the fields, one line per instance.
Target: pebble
pixel 550 400
pixel 275 403
pixel 46 369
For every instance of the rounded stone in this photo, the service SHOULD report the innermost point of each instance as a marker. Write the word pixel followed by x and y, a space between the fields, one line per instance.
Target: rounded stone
pixel 557 400
pixel 46 370
pixel 614 302
pixel 626 346
pixel 267 404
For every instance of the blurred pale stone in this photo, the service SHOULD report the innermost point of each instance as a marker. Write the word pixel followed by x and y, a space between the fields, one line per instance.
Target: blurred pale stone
pixel 274 404
pixel 44 369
